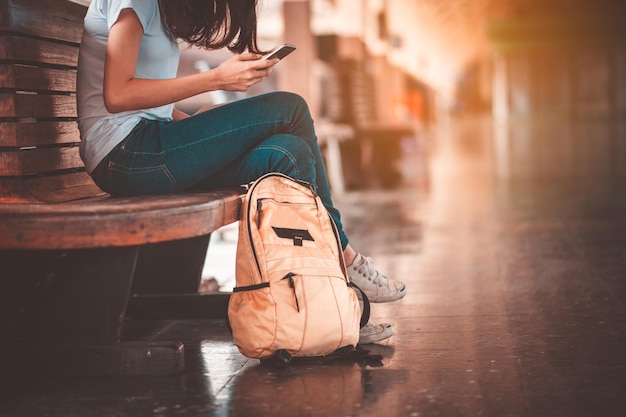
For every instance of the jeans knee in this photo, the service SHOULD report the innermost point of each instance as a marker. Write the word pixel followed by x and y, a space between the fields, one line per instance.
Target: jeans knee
pixel 292 103
pixel 293 99
pixel 291 157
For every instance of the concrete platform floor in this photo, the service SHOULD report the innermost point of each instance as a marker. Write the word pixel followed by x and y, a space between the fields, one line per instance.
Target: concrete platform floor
pixel 514 254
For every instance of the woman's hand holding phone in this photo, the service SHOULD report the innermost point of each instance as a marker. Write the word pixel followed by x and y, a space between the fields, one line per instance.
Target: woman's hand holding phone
pixel 242 71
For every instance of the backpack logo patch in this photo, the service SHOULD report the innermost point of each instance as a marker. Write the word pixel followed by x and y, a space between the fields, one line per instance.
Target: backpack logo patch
pixel 297 235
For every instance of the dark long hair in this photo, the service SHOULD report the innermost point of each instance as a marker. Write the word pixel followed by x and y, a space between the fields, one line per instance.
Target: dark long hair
pixel 212 24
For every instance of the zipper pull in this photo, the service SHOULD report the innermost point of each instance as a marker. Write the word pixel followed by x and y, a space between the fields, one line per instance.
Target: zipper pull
pixel 259 208
pixel 292 284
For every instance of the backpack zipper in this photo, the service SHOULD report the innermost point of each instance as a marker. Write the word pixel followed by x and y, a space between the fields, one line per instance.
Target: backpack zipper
pixel 259 208
pixel 251 190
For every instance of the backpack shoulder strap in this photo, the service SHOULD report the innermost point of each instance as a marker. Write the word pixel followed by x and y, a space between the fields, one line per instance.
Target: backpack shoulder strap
pixel 365 314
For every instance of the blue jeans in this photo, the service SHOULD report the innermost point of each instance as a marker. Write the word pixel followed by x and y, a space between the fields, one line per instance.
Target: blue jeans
pixel 226 146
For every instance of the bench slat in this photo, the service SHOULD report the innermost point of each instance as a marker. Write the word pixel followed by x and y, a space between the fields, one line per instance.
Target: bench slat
pixel 46 18
pixel 26 78
pixel 48 189
pixel 37 105
pixel 27 50
pixel 20 134
pixel 108 222
pixel 39 160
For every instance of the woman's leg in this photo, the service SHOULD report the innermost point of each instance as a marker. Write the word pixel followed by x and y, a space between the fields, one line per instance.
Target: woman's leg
pixel 284 153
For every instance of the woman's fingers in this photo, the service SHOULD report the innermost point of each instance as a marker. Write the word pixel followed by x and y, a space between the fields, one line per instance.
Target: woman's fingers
pixel 242 71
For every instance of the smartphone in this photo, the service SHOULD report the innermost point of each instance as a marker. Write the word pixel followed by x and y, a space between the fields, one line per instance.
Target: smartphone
pixel 280 52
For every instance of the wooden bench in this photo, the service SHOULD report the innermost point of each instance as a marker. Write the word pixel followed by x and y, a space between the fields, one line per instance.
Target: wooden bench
pixel 75 263
pixel 370 157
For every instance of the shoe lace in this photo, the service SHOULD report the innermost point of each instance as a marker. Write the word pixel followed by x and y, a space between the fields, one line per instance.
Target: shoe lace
pixel 367 269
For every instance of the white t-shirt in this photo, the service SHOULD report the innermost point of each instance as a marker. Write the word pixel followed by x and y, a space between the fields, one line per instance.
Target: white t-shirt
pixel 100 130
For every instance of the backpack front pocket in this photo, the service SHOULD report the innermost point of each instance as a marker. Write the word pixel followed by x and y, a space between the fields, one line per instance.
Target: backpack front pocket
pixel 252 316
pixel 316 314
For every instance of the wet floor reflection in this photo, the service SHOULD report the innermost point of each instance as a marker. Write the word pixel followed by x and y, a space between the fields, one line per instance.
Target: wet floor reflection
pixel 342 388
pixel 314 391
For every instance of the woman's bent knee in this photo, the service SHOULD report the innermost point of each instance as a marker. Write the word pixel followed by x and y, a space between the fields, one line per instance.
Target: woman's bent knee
pixel 289 155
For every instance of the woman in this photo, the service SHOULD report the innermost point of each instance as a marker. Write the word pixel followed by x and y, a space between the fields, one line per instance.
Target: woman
pixel 135 142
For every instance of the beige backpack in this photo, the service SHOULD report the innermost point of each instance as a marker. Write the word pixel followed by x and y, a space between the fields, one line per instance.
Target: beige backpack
pixel 292 295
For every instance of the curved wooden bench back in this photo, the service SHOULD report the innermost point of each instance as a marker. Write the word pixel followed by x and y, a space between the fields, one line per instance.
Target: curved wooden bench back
pixel 39 140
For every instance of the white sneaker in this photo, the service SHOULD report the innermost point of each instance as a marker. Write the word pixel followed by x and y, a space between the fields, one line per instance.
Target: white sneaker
pixel 377 287
pixel 372 333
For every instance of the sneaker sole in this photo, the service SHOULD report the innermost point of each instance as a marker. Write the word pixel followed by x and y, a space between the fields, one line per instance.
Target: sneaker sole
pixel 373 338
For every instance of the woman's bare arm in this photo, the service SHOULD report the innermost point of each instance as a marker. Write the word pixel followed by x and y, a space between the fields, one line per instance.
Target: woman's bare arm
pixel 123 92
